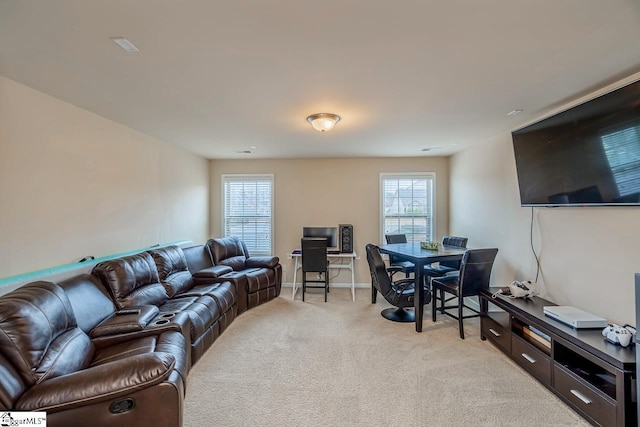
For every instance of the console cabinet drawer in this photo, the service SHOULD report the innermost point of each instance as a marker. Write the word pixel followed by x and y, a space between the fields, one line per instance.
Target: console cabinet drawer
pixel 592 403
pixel 531 359
pixel 496 333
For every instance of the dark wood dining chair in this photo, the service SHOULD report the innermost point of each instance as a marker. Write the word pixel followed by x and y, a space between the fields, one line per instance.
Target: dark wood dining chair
pixel 446 267
pixel 475 274
pixel 314 260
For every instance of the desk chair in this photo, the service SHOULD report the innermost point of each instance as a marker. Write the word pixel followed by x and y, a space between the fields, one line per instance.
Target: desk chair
pixel 400 293
pixel 314 260
pixel 396 265
pixel 475 273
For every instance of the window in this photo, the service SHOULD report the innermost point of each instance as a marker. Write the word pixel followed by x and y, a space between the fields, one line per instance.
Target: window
pixel 407 205
pixel 247 203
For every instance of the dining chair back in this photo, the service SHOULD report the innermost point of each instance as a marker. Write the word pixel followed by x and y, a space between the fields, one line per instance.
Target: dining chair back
pixel 475 274
pixel 314 260
pixel 396 265
pixel 446 267
pixel 458 242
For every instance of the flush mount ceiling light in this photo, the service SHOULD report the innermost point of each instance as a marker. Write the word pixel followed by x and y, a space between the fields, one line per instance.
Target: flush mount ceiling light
pixel 323 121
pixel 125 44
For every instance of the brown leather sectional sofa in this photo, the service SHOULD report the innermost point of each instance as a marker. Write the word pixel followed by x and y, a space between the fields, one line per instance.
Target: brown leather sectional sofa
pixel 263 274
pixel 114 347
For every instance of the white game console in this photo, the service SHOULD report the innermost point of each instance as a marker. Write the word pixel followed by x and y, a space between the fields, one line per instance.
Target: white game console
pixel 618 335
pixel 574 317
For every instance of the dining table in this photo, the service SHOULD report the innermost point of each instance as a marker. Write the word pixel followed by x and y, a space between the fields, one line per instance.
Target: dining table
pixel 414 253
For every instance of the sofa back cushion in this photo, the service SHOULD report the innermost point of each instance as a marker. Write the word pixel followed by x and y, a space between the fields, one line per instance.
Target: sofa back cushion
pixel 39 335
pixel 172 269
pixel 89 299
pixel 132 280
pixel 229 251
pixel 198 258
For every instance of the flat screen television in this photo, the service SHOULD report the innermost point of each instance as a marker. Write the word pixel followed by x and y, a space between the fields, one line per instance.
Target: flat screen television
pixel 331 234
pixel 588 155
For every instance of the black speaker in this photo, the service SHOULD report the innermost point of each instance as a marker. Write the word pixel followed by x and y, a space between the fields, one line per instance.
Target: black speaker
pixel 346 238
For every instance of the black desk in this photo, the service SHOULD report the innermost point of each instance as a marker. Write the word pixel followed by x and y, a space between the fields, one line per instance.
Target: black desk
pixel 420 257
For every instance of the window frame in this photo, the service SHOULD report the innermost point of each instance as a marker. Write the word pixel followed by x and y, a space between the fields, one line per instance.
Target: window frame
pixel 429 176
pixel 248 178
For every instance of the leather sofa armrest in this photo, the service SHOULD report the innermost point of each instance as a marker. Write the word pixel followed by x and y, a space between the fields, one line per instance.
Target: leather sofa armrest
pixel 212 272
pixel 262 261
pixel 99 383
pixel 126 320
pixel 180 322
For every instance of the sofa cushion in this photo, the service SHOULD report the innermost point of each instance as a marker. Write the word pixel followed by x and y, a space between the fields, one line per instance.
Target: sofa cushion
pixel 132 280
pixel 228 251
pixel 198 258
pixel 89 299
pixel 224 293
pixel 70 352
pixel 39 335
pixel 237 263
pixel 169 259
pixel 260 278
pixel 263 262
pixel 172 269
pixel 203 311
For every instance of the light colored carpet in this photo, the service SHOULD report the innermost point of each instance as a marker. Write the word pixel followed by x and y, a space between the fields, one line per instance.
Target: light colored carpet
pixel 289 363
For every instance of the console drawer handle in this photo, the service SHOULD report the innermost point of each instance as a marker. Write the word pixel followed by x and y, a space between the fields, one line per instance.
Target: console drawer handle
pixel 529 358
pixel 494 332
pixel 581 396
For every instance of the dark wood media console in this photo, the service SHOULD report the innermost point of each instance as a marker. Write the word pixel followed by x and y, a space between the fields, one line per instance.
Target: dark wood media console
pixel 593 376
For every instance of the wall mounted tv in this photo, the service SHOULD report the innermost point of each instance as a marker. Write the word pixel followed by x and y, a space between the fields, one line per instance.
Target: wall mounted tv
pixel 588 155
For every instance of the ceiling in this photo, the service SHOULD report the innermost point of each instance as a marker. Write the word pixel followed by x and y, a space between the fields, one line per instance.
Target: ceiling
pixel 220 77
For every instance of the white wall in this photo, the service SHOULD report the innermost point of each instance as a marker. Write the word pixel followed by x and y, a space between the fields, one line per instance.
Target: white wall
pixel 328 192
pixel 73 183
pixel 588 255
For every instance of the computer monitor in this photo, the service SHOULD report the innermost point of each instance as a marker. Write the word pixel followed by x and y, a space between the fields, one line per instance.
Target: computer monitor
pixel 331 234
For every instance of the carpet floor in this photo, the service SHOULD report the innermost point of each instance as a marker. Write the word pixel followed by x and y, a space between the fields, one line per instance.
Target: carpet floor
pixel 289 363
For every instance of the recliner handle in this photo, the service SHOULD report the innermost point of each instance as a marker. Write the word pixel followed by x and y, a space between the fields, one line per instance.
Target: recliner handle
pixel 122 406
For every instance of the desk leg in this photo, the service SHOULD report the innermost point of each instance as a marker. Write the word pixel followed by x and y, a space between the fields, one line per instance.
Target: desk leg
pixel 295 274
pixel 353 280
pixel 418 299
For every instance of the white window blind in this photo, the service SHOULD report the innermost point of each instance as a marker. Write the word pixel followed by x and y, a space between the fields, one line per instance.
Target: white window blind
pixel 248 211
pixel 407 205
